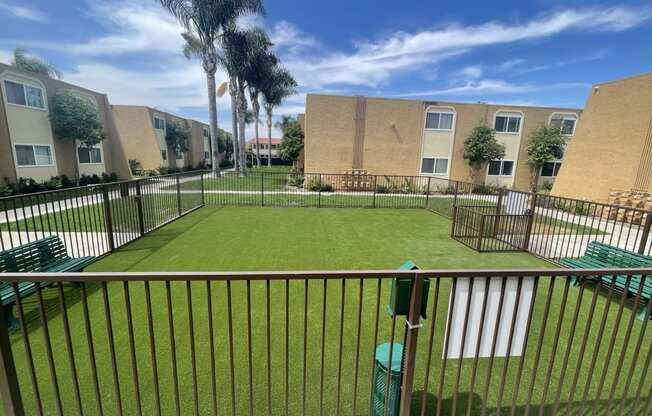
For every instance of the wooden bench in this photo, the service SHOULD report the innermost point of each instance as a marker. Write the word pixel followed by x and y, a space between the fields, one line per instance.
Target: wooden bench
pixel 599 255
pixel 46 255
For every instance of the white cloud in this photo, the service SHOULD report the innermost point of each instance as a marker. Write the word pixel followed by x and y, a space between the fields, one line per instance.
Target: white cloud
pixel 23 12
pixel 375 62
pixel 287 35
pixel 6 56
pixel 472 72
pixel 512 63
pixel 487 86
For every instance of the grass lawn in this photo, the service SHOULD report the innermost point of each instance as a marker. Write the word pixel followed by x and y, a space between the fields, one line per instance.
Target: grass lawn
pixel 214 239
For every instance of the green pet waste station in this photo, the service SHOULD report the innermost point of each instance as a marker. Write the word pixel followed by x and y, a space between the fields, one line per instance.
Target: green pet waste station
pixel 399 305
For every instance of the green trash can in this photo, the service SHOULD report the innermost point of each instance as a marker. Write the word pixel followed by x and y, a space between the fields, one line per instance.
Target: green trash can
pixel 401 291
pixel 382 365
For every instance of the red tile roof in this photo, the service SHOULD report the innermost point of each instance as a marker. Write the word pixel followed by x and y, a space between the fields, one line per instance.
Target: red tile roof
pixel 264 140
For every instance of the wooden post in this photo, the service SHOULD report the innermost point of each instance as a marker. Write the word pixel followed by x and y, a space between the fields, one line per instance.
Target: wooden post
pixel 9 389
pixel 410 351
pixel 108 221
pixel 646 233
pixel 139 205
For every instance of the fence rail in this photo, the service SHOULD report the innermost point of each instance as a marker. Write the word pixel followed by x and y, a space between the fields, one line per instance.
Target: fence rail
pixel 304 342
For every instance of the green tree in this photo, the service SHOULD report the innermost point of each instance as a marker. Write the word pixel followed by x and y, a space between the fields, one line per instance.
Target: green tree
pixel 225 144
pixel 292 142
pixel 278 86
pixel 176 137
pixel 205 21
pixel 22 60
pixel 545 144
pixel 76 119
pixel 481 147
pixel 261 69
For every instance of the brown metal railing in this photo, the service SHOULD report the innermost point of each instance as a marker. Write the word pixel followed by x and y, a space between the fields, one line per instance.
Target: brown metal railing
pixel 303 343
pixel 96 219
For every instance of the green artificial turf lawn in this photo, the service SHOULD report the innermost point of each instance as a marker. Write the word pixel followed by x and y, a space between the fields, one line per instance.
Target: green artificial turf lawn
pixel 307 239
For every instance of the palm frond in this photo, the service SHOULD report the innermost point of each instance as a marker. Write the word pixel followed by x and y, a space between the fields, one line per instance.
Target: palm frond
pixel 22 60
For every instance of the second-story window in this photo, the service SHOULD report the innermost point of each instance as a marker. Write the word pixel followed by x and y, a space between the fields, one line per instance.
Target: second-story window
pixel 564 122
pixel 24 95
pixel 508 122
pixel 159 123
pixel 439 120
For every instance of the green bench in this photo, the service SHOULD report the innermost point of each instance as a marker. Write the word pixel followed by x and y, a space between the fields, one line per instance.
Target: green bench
pixel 600 256
pixel 47 255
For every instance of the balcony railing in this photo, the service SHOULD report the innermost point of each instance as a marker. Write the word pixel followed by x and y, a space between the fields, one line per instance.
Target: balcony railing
pixel 492 341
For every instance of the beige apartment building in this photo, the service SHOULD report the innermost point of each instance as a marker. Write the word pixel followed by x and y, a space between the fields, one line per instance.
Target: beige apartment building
pixel 28 147
pixel 612 149
pixel 265 151
pixel 414 137
pixel 142 130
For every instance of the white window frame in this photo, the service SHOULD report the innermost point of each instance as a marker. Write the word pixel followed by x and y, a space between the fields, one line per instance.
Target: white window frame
pixel 98 147
pixel 435 159
pixel 502 163
pixel 24 84
pixel 164 123
pixel 510 114
pixel 565 116
pixel 439 111
pixel 33 145
pixel 555 163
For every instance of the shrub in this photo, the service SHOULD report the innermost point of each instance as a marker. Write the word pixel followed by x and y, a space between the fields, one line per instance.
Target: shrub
pixel 135 167
pixel 482 190
pixel 226 164
pixel 315 185
pixel 382 189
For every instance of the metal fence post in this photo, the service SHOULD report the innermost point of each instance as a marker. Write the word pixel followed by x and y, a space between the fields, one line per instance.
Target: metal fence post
pixel 9 388
pixel 108 221
pixel 499 203
pixel 481 234
pixel 457 186
pixel 428 192
pixel 646 233
pixel 411 338
pixel 375 186
pixel 262 188
pixel 530 222
pixel 139 205
pixel 203 193
pixel 319 192
pixel 178 194
pixel 454 221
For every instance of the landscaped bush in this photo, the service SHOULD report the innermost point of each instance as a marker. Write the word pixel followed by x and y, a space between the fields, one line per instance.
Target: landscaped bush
pixel 316 185
pixel 482 190
pixel 382 189
pixel 226 164
pixel 295 178
pixel 29 186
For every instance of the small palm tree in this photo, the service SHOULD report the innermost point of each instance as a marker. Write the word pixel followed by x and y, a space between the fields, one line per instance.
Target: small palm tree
pixel 205 22
pixel 261 66
pixel 278 87
pixel 26 62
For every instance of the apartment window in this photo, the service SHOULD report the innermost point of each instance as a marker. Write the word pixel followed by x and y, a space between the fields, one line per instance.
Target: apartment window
pixel 159 123
pixel 550 169
pixel 207 133
pixel 164 154
pixel 207 155
pixel 89 155
pixel 501 168
pixel 564 122
pixel 439 121
pixel 25 95
pixel 508 122
pixel 33 155
pixel 436 166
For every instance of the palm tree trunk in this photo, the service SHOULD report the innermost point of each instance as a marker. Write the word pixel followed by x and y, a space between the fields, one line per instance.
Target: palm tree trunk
pixel 234 125
pixel 212 117
pixel 242 111
pixel 269 135
pixel 255 107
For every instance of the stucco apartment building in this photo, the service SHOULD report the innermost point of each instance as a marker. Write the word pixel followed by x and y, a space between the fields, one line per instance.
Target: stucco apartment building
pixel 264 150
pixel 612 148
pixel 142 130
pixel 28 147
pixel 414 137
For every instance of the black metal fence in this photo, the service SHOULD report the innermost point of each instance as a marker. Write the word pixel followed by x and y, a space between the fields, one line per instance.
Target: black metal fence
pixel 491 342
pixel 485 228
pixel 94 220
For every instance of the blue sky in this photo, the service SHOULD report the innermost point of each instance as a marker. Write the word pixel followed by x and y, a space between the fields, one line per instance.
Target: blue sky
pixel 539 52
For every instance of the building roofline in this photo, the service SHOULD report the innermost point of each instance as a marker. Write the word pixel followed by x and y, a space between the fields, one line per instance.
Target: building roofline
pixel 629 78
pixel 154 109
pixel 442 102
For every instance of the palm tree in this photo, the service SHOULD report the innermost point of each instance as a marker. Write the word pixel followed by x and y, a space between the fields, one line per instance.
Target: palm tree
pixel 205 21
pixel 34 64
pixel 261 70
pixel 278 87
pixel 240 53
